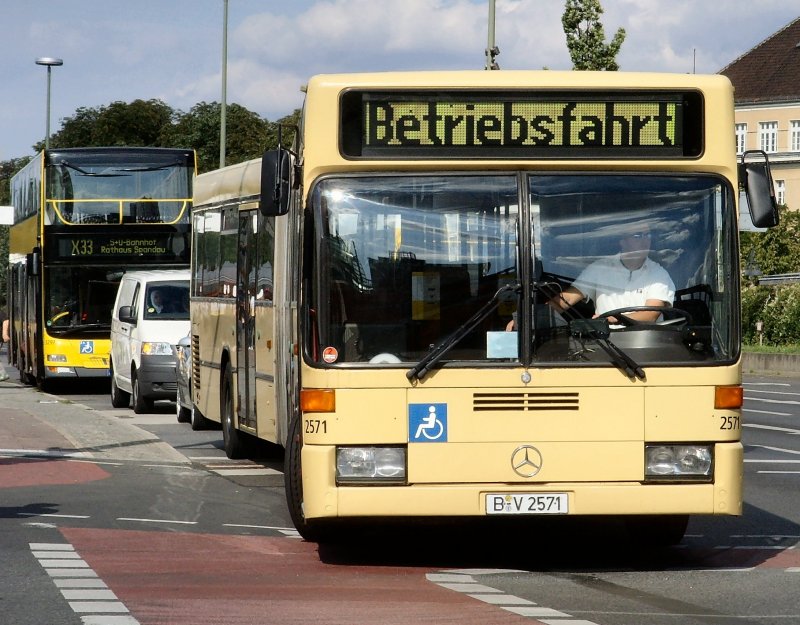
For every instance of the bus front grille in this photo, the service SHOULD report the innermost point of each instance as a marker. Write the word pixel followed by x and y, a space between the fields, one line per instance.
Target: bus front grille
pixel 525 401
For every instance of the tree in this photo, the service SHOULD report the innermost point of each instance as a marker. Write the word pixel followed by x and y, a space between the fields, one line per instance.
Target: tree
pixel 140 123
pixel 586 38
pixel 775 251
pixel 248 135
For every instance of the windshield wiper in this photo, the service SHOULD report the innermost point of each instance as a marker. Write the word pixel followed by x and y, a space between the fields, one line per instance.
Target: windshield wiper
pixel 421 369
pixel 597 330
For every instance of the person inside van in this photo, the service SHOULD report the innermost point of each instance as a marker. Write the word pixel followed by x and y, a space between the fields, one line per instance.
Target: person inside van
pixel 159 303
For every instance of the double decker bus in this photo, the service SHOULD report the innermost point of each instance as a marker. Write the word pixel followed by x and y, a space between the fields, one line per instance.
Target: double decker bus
pixel 82 217
pixel 353 298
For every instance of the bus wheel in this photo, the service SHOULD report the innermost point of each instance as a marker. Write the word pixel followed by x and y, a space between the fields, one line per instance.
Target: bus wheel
pixel 657 530
pixel 232 439
pixel 140 404
pixel 293 483
pixel 119 398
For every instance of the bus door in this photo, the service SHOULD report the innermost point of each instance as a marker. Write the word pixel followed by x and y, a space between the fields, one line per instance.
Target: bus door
pixel 245 319
pixel 33 360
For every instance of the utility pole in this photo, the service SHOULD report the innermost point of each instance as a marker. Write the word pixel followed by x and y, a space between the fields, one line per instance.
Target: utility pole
pixel 491 49
pixel 224 104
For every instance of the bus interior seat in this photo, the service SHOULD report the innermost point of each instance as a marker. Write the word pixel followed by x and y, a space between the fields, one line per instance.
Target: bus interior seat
pixel 696 301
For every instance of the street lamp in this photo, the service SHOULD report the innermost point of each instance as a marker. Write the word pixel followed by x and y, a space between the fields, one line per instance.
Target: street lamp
pixel 50 62
pixel 224 105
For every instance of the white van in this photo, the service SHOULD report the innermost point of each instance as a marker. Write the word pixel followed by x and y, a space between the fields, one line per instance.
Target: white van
pixel 150 316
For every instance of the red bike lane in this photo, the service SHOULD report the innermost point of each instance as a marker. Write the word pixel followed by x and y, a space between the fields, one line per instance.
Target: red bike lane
pixel 166 578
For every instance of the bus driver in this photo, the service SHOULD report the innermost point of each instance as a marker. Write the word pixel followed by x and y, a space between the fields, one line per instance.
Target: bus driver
pixel 628 278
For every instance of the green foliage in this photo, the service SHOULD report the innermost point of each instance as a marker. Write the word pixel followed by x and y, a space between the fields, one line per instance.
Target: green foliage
pixel 777 250
pixel 154 123
pixel 778 308
pixel 586 37
pixel 140 123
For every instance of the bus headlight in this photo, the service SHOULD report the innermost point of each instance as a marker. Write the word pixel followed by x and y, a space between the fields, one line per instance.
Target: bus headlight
pixel 157 349
pixel 370 464
pixel 675 462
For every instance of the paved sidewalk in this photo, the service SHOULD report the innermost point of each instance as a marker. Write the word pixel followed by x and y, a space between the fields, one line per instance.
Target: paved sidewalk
pixel 33 423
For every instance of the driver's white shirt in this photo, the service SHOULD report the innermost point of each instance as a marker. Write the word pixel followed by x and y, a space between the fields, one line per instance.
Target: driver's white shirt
pixel 612 285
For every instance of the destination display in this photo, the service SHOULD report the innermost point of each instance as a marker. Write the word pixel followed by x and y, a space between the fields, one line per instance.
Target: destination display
pixel 96 246
pixel 460 124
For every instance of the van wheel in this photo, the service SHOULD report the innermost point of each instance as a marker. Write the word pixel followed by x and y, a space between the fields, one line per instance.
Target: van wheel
pixel 233 439
pixel 119 398
pixel 197 420
pixel 184 414
pixel 140 404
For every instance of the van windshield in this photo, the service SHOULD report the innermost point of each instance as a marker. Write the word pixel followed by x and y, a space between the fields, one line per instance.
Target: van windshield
pixel 167 300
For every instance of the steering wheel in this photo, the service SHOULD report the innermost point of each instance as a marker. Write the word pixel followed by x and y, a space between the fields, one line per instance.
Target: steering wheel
pixel 680 316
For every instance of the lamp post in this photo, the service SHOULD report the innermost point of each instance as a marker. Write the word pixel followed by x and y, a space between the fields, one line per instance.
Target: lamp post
pixel 224 104
pixel 50 63
pixel 491 49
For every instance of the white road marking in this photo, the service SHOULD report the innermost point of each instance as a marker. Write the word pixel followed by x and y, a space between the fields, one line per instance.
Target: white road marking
pixel 156 521
pixel 776 428
pixel 771 412
pixel 89 598
pixel 463 582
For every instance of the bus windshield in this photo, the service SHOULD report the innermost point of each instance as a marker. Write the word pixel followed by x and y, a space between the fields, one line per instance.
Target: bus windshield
pixel 80 298
pixel 99 189
pixel 405 261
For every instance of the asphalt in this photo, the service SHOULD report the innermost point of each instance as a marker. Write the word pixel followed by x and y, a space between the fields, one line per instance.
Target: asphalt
pixel 33 423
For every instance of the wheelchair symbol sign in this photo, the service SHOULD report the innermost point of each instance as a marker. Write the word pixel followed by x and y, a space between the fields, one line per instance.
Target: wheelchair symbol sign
pixel 87 347
pixel 427 423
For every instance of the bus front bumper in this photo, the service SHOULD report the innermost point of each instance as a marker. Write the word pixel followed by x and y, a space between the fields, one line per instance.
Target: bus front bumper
pixel 53 372
pixel 322 498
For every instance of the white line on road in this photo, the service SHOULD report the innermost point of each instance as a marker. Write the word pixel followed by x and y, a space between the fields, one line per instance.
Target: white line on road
pixel 156 521
pixel 98 602
pixel 778 449
pixel 771 427
pixel 772 412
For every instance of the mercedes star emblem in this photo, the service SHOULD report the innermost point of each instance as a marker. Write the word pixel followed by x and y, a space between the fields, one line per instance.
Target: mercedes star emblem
pixel 526 461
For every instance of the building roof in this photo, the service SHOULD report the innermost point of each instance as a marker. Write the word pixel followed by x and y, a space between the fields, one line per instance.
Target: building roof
pixel 769 71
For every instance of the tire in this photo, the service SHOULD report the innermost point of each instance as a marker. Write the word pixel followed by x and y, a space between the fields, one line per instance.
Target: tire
pixel 119 398
pixel 140 404
pixel 657 530
pixel 232 439
pixel 184 414
pixel 293 484
pixel 197 420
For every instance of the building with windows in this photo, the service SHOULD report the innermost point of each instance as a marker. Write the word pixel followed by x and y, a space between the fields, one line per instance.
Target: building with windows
pixel 767 99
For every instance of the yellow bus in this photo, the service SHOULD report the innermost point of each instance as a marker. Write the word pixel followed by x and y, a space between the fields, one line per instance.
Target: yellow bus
pixel 82 216
pixel 378 299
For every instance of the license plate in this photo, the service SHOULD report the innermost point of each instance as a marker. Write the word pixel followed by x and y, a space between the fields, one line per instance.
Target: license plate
pixel 527 503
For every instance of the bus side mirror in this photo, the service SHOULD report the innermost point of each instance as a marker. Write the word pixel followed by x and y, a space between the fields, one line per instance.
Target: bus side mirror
pixel 756 178
pixel 276 168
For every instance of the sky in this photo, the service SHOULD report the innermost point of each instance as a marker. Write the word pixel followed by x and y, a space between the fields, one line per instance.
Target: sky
pixel 123 50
